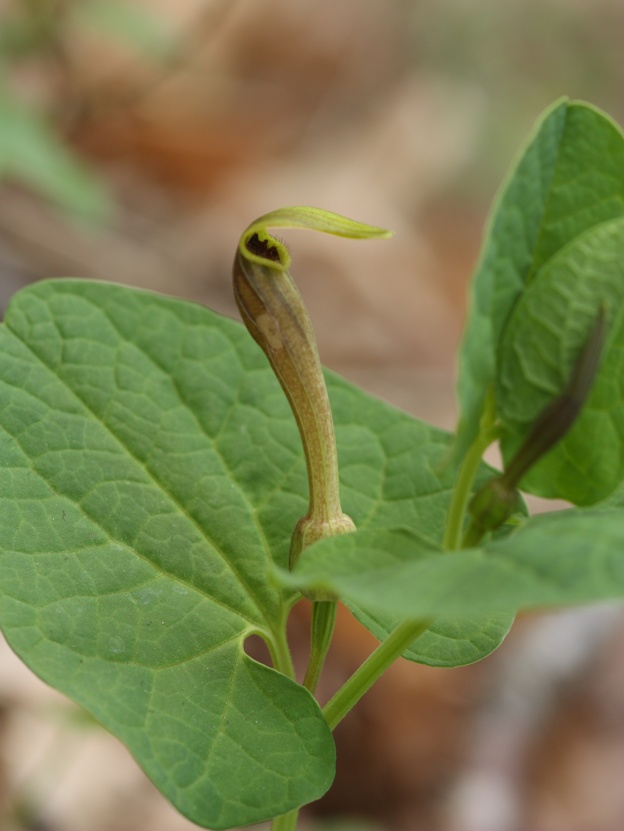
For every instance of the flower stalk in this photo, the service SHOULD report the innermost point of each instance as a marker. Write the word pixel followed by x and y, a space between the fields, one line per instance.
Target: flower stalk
pixel 276 317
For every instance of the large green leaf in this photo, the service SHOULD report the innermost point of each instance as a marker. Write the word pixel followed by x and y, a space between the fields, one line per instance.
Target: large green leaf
pixel 563 558
pixel 151 474
pixel 133 563
pixel 539 347
pixel 569 178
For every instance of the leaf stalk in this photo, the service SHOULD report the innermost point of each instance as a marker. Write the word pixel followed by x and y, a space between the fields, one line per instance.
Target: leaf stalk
pixel 488 433
pixel 285 822
pixel 373 668
pixel 323 624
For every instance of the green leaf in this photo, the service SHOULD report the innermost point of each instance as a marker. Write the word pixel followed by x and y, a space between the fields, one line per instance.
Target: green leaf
pixel 563 558
pixel 449 641
pixel 538 351
pixel 133 562
pixel 150 477
pixel 32 154
pixel 614 502
pixel 569 178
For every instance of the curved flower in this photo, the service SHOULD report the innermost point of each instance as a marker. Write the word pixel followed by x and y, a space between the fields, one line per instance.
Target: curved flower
pixel 275 315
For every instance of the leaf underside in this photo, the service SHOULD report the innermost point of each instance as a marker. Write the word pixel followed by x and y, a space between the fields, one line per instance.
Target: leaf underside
pixel 563 558
pixel 151 475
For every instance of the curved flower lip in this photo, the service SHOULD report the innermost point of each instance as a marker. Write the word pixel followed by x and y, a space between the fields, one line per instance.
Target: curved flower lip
pixel 258 246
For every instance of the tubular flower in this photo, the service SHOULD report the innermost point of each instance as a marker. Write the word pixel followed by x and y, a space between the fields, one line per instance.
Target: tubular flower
pixel 276 317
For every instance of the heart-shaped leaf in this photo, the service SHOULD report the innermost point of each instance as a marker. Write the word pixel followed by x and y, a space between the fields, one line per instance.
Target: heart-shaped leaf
pixel 133 563
pixel 151 475
pixel 569 178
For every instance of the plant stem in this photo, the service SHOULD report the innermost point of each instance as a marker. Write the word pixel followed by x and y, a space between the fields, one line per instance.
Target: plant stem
pixel 322 629
pixel 463 487
pixel 285 822
pixel 461 494
pixel 372 668
pixel 280 650
pixel 473 536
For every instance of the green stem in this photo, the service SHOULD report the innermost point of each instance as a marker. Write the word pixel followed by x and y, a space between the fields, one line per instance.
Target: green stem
pixel 323 622
pixel 280 651
pixel 373 667
pixel 285 822
pixel 461 494
pixel 463 487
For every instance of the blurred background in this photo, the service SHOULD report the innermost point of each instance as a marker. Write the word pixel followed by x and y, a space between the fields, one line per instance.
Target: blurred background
pixel 137 139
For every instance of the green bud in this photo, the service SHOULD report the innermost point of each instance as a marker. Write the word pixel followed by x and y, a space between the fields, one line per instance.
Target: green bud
pixel 492 505
pixel 559 415
pixel 498 499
